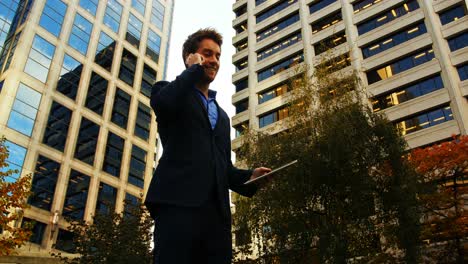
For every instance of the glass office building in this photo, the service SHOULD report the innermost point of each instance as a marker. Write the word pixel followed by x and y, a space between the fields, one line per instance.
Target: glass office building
pixel 75 82
pixel 411 56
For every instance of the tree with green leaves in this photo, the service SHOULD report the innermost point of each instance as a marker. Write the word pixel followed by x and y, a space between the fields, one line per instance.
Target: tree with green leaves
pixel 351 197
pixel 116 238
pixel 13 202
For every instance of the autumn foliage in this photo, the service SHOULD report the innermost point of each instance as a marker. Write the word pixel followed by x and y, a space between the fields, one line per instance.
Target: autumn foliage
pixel 13 197
pixel 444 168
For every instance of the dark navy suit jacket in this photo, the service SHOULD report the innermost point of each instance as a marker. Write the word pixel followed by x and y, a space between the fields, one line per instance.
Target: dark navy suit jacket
pixel 196 160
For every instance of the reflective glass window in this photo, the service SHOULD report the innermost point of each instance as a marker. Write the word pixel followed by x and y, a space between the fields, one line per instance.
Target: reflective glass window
pixel 406 93
pixel 275 28
pixel 458 42
pixel 80 34
pixel 96 97
pixel 15 160
pixel 240 128
pixel 241 106
pixel 241 45
pixel 65 241
pixel 330 43
pixel 24 110
pixel 320 4
pixel 241 85
pixel 77 195
pixel 274 9
pixel 157 14
pixel 107 196
pixel 463 72
pixel 38 230
pixel 131 203
pixel 70 76
pixel 387 16
pixel 134 27
pixel 148 80
pixel 425 120
pixel 7 13
pixel 279 67
pixel 139 6
pixel 241 28
pixel 113 155
pixel 273 117
pixel 120 109
pixel 326 22
pixel 242 64
pixel 9 50
pixel 56 131
pixel 90 6
pixel 143 121
pixel 40 57
pixel 52 16
pixel 43 183
pixel 400 65
pixel 393 40
pixel 112 15
pixel 136 173
pixel 258 2
pixel 154 45
pixel 105 51
pixel 452 14
pixel 127 67
pixel 241 10
pixel 279 46
pixel 273 92
pixel 335 64
pixel 87 141
pixel 364 4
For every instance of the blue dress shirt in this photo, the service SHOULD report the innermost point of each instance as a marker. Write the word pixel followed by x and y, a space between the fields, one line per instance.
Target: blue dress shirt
pixel 210 106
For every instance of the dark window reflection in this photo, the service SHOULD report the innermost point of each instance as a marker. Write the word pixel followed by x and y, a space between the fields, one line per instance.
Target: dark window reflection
pixel 458 42
pixel 275 28
pixel 77 194
pixel 131 204
pixel 425 120
pixel 120 108
pixel 318 5
pixel 407 93
pixel 452 14
pixel 279 67
pixel 65 241
pixel 242 106
pixel 44 182
pixel 279 46
pixel 58 123
pixel 143 121
pixel 326 22
pixel 127 67
pixel 241 85
pixel 69 77
pixel 463 72
pixel 87 141
pixel 281 5
pixel 105 203
pixel 149 79
pixel 96 96
pixel 329 43
pixel 134 27
pixel 136 175
pixel 38 229
pixel 240 128
pixel 105 51
pixel 154 45
pixel 113 155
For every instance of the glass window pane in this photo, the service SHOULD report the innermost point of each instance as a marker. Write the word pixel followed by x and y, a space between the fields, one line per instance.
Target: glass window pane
pixel 52 16
pixel 80 35
pixel 43 183
pixel 56 131
pixel 15 160
pixel 107 196
pixel 77 195
pixel 87 141
pixel 89 5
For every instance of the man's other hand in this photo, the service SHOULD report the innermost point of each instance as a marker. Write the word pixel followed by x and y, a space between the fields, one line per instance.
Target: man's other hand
pixel 194 58
pixel 259 172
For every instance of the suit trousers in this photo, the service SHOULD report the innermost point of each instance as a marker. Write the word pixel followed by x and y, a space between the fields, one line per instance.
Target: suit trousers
pixel 192 235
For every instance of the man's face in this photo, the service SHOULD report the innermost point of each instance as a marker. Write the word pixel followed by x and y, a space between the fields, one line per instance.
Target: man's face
pixel 210 52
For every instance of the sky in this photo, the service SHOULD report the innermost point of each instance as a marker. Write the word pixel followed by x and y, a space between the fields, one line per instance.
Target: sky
pixel 191 15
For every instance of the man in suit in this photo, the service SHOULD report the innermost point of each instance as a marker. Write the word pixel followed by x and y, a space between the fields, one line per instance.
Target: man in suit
pixel 189 194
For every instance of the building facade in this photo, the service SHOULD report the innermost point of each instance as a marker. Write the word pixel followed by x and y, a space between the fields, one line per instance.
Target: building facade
pixel 75 80
pixel 411 56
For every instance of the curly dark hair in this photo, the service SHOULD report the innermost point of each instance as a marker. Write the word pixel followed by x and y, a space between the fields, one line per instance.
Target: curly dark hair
pixel 192 41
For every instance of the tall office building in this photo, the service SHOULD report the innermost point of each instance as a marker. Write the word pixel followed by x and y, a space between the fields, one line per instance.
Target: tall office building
pixel 75 80
pixel 411 56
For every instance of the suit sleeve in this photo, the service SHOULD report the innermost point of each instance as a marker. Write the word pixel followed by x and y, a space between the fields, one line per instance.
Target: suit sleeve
pixel 165 96
pixel 237 177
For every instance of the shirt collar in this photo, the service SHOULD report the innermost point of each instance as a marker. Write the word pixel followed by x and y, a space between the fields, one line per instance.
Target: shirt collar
pixel 211 93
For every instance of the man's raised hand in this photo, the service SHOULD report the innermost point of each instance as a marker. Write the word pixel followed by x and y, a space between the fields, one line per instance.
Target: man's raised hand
pixel 194 58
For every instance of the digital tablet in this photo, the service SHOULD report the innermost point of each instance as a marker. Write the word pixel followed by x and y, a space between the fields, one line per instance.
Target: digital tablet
pixel 271 172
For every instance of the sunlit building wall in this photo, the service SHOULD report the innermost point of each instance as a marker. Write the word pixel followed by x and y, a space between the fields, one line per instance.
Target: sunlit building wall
pixel 411 56
pixel 75 82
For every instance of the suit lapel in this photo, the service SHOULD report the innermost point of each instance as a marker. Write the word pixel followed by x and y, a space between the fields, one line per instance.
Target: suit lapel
pixel 201 108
